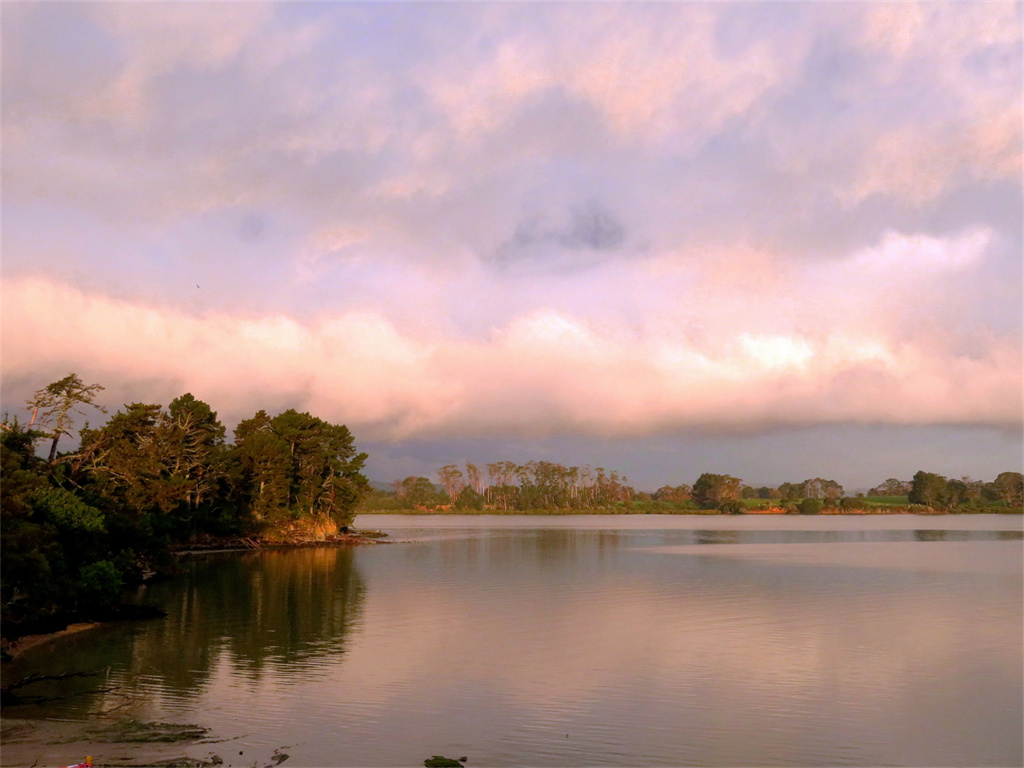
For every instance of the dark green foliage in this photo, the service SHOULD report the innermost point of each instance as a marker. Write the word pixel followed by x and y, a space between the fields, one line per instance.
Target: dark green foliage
pixel 437 761
pixel 966 495
pixel 790 491
pixel 27 545
pixel 469 499
pixel 419 492
pixel 98 583
pixel 711 490
pixel 1010 487
pixel 55 545
pixel 67 512
pixel 295 464
pixel 732 507
pixel 809 506
pixel 78 528
pixel 930 490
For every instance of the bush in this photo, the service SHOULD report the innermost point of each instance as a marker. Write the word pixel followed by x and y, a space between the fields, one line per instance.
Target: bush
pixel 810 506
pixel 67 511
pixel 732 508
pixel 99 583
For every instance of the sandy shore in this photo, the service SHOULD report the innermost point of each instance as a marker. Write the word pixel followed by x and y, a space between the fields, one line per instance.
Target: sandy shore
pixel 15 648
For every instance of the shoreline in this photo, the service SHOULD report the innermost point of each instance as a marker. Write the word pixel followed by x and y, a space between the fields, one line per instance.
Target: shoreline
pixel 30 742
pixel 356 538
pixel 16 647
pixel 691 513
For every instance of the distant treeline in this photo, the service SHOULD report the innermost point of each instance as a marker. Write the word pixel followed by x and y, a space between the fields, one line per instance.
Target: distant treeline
pixel 543 485
pixel 80 525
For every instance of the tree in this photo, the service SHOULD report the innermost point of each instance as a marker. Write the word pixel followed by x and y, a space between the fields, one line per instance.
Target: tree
pixel 265 459
pixel 732 508
pixel 1010 487
pixel 196 438
pixel 501 492
pixel 55 404
pixel 324 472
pixel 121 460
pixel 711 490
pixel 791 491
pixel 891 487
pixel 474 477
pixel 809 506
pixel 678 493
pixel 469 498
pixel 419 492
pixel 451 480
pixel 26 543
pixel 929 489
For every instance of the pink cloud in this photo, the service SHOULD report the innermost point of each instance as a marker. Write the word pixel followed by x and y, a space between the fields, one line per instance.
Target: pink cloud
pixel 543 372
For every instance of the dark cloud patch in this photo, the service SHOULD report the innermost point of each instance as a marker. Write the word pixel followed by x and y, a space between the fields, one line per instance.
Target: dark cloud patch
pixel 589 228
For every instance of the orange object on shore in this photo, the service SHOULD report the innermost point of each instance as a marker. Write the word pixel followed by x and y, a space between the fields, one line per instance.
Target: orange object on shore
pixel 86 764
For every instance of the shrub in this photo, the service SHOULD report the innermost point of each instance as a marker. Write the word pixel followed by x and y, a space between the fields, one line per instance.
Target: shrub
pixel 99 583
pixel 810 506
pixel 732 508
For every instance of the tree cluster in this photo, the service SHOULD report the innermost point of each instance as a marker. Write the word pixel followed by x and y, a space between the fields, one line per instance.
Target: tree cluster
pixel 937 492
pixel 79 526
pixel 507 486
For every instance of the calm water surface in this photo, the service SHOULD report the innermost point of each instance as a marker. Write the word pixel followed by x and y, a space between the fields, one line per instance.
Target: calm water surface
pixel 585 640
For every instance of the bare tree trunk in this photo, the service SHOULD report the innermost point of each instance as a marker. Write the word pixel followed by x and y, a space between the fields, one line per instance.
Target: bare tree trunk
pixel 53 448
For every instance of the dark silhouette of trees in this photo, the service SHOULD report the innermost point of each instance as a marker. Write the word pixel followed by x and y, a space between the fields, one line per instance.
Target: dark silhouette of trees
pixel 79 526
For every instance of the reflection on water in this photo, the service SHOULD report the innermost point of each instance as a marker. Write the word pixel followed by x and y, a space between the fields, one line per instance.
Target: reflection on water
pixel 647 642
pixel 236 615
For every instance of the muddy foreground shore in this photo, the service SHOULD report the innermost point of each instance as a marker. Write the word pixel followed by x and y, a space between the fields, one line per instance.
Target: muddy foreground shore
pixel 125 744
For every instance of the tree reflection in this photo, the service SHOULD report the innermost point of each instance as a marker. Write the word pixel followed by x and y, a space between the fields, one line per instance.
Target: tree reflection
pixel 716 537
pixel 929 535
pixel 257 613
pixel 253 611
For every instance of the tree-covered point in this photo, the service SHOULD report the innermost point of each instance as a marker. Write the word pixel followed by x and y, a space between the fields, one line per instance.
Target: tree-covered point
pixel 79 526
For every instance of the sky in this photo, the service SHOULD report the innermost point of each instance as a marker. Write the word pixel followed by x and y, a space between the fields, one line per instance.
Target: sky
pixel 774 240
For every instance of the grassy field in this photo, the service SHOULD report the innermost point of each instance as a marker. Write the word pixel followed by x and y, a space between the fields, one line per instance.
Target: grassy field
pixel 887 499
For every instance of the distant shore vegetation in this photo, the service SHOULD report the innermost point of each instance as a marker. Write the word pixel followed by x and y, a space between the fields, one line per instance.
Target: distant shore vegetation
pixel 550 487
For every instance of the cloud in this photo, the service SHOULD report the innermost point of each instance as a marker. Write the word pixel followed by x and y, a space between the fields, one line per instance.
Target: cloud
pixel 600 219
pixel 589 228
pixel 544 372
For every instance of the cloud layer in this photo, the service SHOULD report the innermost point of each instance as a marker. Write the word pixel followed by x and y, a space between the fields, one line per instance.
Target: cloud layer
pixel 491 220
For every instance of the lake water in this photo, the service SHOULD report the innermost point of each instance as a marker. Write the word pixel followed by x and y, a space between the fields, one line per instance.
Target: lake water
pixel 581 640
